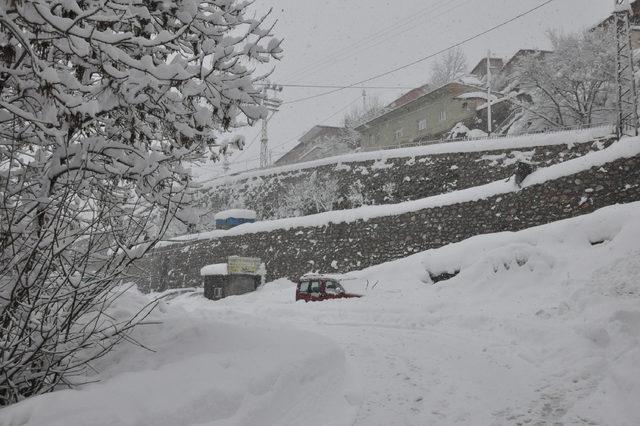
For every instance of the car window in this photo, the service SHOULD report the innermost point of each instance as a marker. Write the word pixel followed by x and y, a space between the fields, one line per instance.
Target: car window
pixel 333 287
pixel 304 287
pixel 315 286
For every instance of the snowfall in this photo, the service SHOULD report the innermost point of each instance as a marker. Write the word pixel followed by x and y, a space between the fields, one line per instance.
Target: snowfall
pixel 538 327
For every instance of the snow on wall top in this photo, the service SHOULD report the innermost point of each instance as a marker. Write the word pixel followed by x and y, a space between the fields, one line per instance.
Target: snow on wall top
pixel 236 213
pixel 511 142
pixel 626 148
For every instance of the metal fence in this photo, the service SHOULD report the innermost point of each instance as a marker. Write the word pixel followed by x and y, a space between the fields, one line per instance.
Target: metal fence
pixel 607 129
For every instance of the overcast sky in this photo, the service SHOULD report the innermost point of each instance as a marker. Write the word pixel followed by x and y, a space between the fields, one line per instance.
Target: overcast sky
pixel 339 42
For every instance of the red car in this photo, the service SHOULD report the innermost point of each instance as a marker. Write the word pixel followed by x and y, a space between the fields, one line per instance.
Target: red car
pixel 312 288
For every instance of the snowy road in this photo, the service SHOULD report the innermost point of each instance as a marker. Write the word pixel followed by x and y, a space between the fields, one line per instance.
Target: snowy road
pixel 413 373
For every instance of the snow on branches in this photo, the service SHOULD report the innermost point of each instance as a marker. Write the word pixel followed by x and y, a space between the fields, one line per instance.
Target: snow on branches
pixel 572 85
pixel 101 104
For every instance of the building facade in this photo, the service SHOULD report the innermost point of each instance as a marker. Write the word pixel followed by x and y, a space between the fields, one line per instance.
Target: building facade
pixel 320 142
pixel 429 116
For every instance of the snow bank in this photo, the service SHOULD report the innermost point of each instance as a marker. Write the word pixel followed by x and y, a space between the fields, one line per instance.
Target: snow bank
pixel 540 326
pixel 512 142
pixel 204 372
pixel 625 148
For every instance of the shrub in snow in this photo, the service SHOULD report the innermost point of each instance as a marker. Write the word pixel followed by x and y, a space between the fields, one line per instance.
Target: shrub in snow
pixel 101 104
pixel 389 190
pixel 355 196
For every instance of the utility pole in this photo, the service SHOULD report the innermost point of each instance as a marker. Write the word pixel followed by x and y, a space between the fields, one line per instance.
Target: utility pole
pixel 364 101
pixel 489 117
pixel 272 104
pixel 627 94
pixel 225 162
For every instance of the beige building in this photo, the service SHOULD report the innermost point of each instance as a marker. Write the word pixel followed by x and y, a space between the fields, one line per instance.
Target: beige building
pixel 429 116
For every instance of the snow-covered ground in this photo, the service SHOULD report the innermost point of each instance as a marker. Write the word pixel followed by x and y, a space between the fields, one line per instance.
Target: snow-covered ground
pixel 539 327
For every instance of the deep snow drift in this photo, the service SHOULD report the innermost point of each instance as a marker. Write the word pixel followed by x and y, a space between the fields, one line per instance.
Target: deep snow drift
pixel 538 327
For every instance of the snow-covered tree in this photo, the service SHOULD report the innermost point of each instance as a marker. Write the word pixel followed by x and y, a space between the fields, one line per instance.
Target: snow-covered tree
pixel 101 105
pixel 360 114
pixel 448 68
pixel 574 84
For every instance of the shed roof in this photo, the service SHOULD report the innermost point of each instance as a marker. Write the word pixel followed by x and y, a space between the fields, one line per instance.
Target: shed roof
pixel 214 269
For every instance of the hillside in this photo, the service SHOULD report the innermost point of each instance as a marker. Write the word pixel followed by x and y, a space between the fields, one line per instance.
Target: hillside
pixel 344 240
pixel 538 327
pixel 388 177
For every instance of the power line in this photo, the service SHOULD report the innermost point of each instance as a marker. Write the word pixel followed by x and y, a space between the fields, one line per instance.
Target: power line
pixel 323 121
pixel 336 86
pixel 376 38
pixel 458 44
pixel 383 40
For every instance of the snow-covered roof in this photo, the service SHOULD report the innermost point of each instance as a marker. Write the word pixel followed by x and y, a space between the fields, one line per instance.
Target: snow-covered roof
pixel 214 269
pixel 470 80
pixel 236 213
pixel 495 101
pixel 317 276
pixel 478 95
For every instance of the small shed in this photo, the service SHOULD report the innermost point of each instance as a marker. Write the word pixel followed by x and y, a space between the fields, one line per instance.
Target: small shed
pixel 228 219
pixel 240 275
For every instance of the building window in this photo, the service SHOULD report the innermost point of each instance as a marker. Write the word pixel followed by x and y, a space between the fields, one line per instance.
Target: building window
pixel 217 292
pixel 422 124
pixel 398 134
pixel 443 115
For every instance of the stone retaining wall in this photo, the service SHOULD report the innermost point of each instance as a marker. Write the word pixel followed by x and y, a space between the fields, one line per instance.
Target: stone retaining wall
pixel 349 246
pixel 387 182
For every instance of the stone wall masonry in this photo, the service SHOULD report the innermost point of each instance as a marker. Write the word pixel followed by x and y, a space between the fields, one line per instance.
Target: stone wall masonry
pixel 343 247
pixel 387 182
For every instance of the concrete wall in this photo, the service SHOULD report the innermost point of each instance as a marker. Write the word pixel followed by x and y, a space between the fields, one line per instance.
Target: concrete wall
pixel 343 247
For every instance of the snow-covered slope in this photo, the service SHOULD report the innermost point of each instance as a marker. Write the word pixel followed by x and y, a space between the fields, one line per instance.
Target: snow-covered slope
pixel 538 327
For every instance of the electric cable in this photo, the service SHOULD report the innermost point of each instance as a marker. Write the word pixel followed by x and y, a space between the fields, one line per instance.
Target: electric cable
pixel 377 38
pixel 458 44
